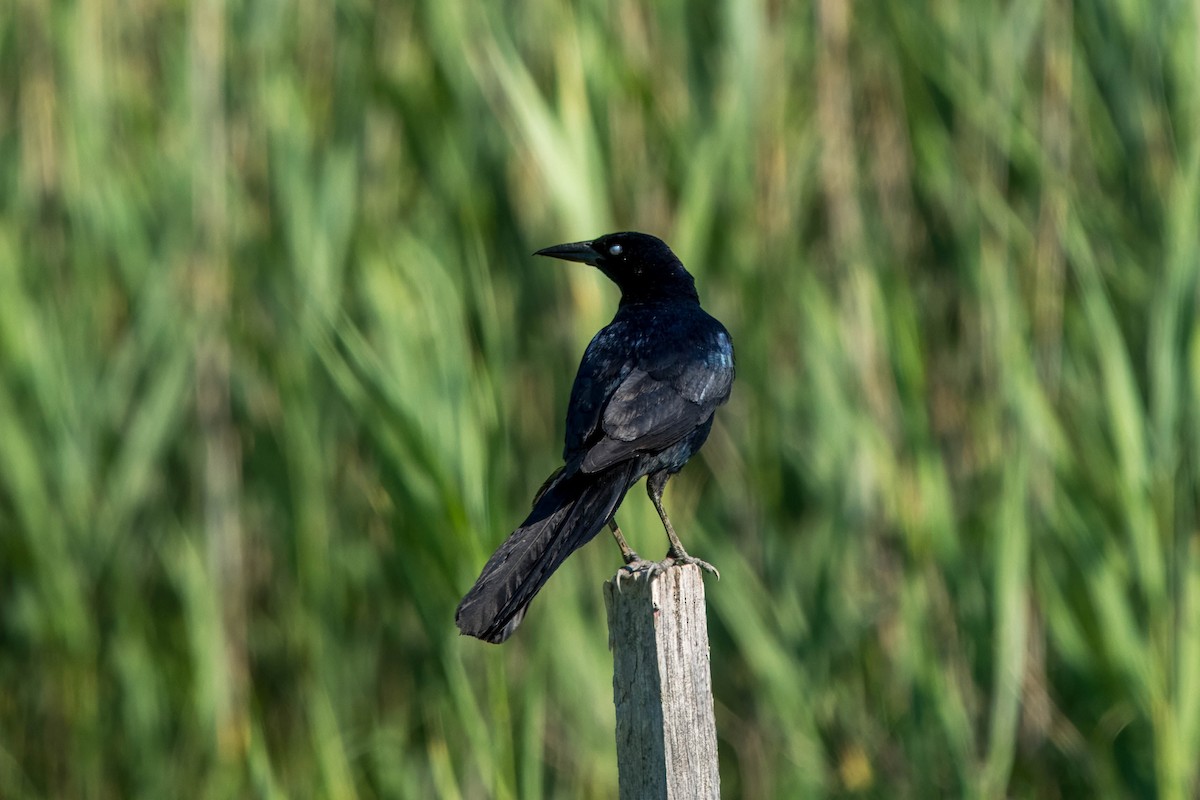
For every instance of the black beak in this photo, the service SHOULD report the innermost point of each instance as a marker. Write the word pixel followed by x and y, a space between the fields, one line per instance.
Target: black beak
pixel 575 251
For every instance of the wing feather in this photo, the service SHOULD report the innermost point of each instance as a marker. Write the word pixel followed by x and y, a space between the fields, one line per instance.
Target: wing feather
pixel 632 396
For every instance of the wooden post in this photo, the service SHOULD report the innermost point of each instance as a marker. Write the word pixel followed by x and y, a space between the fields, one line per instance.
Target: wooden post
pixel 666 731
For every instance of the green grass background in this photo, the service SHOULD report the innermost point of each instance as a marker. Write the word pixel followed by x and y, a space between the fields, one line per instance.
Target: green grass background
pixel 279 373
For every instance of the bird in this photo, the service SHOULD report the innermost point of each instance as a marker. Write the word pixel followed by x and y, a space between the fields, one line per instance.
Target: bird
pixel 641 405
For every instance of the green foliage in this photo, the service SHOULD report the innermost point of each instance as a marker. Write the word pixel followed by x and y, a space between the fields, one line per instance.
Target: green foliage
pixel 279 372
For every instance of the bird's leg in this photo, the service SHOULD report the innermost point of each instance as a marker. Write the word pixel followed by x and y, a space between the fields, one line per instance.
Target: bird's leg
pixel 654 487
pixel 633 562
pixel 626 551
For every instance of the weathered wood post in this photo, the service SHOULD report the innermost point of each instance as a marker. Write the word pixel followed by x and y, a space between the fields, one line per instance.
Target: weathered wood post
pixel 666 731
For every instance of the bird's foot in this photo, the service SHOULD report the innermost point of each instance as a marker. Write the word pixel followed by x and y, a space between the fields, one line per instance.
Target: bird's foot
pixel 635 564
pixel 681 556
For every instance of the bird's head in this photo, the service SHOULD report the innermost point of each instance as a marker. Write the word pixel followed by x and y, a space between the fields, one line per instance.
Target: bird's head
pixel 642 265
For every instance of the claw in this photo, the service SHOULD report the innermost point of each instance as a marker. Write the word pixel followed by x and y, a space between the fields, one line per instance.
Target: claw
pixel 681 557
pixel 638 564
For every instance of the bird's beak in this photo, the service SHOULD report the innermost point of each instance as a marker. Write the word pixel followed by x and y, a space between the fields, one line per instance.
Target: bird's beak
pixel 575 251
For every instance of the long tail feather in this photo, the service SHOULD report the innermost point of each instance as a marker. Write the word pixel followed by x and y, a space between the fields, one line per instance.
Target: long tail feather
pixel 568 513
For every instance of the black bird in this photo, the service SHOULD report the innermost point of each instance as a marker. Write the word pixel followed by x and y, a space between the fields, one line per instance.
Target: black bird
pixel 642 405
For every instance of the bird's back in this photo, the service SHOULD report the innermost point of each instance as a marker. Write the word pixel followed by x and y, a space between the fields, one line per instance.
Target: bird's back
pixel 647 380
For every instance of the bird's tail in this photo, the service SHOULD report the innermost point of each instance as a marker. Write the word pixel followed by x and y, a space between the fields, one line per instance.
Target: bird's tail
pixel 568 513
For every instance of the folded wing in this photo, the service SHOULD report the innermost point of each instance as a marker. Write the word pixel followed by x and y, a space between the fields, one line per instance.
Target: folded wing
pixel 654 405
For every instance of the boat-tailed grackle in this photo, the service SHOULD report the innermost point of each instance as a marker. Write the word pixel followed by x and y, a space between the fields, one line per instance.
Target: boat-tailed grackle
pixel 642 405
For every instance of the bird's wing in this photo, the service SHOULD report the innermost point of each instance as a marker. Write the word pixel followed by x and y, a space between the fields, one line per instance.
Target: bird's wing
pixel 661 398
pixel 609 358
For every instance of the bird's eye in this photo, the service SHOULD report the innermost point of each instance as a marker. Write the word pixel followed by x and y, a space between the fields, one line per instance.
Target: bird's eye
pixel 615 250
